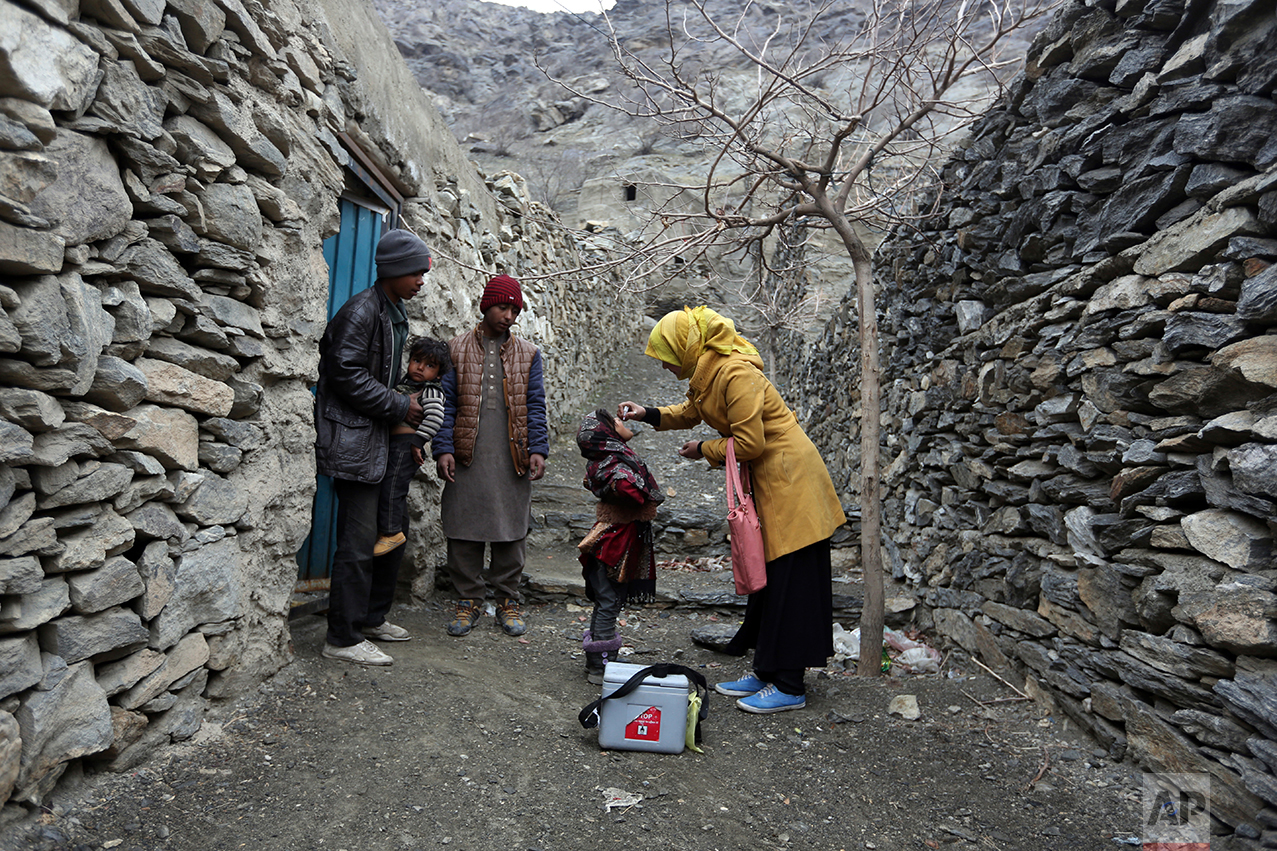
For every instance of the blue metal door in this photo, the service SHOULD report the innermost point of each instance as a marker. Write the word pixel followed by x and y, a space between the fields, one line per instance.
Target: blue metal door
pixel 351 268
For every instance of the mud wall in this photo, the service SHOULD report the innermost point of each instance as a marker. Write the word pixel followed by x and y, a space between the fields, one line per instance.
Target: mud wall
pixel 168 173
pixel 1080 452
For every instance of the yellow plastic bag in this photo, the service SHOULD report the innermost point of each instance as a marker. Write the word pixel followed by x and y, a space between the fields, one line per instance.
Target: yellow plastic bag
pixel 693 713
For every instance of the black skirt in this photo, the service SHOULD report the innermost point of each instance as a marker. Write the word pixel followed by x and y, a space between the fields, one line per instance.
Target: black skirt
pixel 789 624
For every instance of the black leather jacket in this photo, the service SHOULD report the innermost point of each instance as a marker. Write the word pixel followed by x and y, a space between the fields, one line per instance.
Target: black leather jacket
pixel 354 407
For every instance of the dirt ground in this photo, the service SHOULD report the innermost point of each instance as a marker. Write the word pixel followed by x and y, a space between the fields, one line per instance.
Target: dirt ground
pixel 474 744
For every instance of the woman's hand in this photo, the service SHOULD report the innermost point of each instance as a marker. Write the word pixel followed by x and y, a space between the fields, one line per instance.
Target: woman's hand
pixel 630 411
pixel 691 449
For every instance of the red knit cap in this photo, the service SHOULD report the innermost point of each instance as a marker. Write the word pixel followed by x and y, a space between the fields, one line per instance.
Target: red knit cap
pixel 501 290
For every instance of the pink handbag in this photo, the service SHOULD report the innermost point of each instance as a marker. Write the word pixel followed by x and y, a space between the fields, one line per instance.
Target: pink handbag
pixel 749 565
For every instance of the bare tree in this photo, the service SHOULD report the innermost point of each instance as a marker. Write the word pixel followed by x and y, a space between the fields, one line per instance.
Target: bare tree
pixel 554 178
pixel 836 126
pixel 502 125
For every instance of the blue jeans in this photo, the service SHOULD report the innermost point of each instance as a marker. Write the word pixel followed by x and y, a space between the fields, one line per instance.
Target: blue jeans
pixel 392 505
pixel 362 587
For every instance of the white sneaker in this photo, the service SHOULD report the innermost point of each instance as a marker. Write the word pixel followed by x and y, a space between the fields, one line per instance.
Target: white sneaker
pixel 363 653
pixel 386 632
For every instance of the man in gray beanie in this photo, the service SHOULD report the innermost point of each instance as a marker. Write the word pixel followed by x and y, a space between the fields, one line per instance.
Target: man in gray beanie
pixel 401 253
pixel 359 361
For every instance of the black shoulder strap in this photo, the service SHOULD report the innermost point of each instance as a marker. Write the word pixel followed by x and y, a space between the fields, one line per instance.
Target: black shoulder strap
pixel 589 716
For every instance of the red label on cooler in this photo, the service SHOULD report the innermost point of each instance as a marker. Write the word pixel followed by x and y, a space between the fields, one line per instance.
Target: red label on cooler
pixel 646 727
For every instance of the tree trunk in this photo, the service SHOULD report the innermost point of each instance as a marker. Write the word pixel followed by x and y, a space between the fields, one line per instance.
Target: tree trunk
pixel 873 609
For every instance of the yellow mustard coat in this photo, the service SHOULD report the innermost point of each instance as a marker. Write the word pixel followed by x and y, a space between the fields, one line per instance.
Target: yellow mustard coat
pixel 796 501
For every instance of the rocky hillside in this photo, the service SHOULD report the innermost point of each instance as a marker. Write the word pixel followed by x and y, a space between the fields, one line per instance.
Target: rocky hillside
pixel 486 66
pixel 494 71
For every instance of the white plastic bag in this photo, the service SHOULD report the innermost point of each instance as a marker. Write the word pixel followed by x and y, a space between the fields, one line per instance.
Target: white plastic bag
pixel 846 645
pixel 920 660
pixel 914 655
pixel 917 657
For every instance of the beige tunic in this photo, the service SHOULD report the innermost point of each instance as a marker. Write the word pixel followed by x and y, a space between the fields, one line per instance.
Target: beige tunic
pixel 489 501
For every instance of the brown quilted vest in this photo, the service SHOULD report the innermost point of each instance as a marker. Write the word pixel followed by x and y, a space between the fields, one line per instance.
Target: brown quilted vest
pixel 516 362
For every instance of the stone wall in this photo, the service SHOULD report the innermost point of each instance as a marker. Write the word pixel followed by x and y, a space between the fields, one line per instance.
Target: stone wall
pixel 1080 356
pixel 168 172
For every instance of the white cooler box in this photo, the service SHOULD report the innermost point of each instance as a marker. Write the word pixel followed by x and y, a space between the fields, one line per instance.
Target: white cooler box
pixel 653 717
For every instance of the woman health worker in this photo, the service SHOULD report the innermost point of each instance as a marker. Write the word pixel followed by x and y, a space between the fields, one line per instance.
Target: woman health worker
pixel 789 623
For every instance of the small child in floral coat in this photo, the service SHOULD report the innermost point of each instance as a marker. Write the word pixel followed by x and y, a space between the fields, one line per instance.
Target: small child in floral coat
pixel 617 558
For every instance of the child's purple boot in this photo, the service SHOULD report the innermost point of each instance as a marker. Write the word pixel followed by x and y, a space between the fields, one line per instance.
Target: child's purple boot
pixel 597 655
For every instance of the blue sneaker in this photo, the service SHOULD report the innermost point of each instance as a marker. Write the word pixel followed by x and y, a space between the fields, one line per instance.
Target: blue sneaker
pixel 771 699
pixel 744 687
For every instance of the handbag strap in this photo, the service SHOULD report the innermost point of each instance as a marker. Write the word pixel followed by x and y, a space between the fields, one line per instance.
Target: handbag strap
pixel 737 477
pixel 589 716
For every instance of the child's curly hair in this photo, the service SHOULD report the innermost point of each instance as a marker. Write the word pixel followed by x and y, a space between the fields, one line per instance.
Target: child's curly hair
pixel 431 351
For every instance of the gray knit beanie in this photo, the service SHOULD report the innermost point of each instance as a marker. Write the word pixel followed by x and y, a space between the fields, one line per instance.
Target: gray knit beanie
pixel 401 253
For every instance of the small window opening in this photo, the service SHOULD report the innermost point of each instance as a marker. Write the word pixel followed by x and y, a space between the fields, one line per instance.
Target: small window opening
pixel 631 192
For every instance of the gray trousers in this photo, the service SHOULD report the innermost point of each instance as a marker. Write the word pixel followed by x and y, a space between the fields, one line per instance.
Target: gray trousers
pixel 465 568
pixel 607 596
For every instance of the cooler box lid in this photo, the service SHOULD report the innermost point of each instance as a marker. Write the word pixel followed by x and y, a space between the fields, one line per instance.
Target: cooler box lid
pixel 616 674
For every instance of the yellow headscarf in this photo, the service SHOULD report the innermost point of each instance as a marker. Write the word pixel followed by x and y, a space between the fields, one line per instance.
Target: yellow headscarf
pixel 682 336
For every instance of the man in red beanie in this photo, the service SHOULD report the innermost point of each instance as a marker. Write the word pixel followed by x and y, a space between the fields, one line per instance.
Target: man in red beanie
pixel 490 449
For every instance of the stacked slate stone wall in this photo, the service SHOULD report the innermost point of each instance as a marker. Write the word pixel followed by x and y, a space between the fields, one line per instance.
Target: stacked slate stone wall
pixel 168 173
pixel 1080 357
